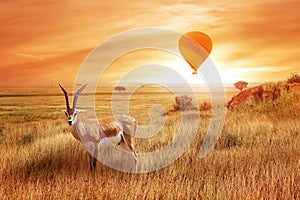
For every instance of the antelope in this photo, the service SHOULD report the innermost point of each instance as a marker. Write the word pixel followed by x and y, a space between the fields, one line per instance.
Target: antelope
pixel 120 129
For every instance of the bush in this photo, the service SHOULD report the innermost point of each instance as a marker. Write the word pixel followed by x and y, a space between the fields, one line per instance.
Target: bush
pixel 183 103
pixel 205 106
pixel 26 139
pixel 294 78
pixel 228 141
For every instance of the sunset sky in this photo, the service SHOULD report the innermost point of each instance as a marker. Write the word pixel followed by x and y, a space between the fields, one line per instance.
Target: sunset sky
pixel 45 42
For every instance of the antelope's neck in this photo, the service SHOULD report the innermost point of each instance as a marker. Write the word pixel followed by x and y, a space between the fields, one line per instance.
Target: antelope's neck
pixel 74 132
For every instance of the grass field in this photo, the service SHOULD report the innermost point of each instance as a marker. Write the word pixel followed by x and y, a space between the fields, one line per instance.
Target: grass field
pixel 256 157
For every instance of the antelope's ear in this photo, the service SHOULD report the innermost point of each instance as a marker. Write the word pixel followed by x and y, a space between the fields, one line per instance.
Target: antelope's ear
pixel 64 111
pixel 80 111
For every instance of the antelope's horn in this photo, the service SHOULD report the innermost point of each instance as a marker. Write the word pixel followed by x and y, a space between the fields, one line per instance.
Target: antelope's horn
pixel 66 96
pixel 77 94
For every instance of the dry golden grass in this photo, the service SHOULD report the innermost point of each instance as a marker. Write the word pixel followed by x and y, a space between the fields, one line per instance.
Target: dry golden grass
pixel 257 156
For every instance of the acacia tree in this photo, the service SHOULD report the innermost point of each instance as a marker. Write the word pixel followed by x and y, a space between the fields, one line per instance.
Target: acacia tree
pixel 120 88
pixel 240 85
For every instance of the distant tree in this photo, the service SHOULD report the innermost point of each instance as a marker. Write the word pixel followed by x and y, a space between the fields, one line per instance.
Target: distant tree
pixel 120 88
pixel 293 78
pixel 240 85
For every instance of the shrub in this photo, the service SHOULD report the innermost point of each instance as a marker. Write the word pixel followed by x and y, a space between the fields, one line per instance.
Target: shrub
pixel 26 139
pixel 293 78
pixel 228 141
pixel 183 102
pixel 205 106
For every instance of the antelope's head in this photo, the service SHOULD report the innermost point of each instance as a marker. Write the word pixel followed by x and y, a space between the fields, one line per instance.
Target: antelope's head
pixel 71 113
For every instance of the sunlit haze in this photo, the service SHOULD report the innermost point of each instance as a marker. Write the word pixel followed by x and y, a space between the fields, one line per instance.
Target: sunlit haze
pixel 45 42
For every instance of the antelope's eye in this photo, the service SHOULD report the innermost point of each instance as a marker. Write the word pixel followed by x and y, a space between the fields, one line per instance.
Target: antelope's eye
pixel 66 114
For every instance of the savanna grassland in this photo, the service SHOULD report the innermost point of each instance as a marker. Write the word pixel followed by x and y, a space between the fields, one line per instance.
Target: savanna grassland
pixel 256 157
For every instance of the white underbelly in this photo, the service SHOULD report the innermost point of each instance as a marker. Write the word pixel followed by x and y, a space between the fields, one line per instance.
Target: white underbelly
pixel 110 140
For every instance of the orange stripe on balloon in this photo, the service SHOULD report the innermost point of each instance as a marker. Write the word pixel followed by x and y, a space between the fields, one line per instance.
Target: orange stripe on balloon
pixel 195 47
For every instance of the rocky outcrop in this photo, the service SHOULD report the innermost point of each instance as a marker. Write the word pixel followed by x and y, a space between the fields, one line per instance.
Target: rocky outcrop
pixel 252 96
pixel 262 93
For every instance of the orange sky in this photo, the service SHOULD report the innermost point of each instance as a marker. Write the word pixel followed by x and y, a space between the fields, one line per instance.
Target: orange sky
pixel 45 42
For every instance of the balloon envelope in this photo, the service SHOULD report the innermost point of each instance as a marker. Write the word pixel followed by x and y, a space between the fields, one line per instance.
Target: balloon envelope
pixel 195 47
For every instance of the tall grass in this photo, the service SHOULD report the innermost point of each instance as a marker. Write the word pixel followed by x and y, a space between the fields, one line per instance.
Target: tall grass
pixel 256 157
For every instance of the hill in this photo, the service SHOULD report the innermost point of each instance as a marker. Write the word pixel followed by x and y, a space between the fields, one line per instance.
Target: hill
pixel 267 97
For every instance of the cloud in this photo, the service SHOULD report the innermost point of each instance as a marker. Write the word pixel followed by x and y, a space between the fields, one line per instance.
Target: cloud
pixel 29 56
pixel 263 34
pixel 44 71
pixel 43 35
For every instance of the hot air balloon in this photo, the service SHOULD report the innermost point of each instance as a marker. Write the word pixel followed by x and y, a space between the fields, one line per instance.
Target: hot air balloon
pixel 195 47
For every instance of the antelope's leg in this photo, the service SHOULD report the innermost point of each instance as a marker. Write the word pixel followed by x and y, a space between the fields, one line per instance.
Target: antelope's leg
pixel 128 140
pixel 93 154
pixel 135 160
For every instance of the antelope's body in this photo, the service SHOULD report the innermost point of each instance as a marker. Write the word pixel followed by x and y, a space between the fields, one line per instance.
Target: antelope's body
pixel 120 129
